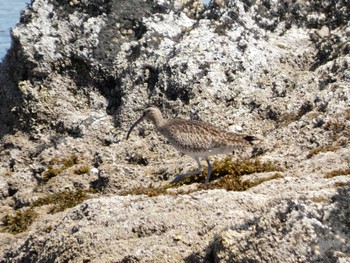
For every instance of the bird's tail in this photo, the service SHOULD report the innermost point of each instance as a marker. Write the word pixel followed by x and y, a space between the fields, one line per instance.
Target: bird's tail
pixel 251 139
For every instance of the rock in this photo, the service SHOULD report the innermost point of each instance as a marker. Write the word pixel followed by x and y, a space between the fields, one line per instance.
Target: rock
pixel 3 188
pixel 324 32
pixel 78 75
pixel 144 229
pixel 310 228
pixel 137 227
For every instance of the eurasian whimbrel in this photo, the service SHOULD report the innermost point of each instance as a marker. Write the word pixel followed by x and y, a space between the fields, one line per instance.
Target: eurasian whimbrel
pixel 195 138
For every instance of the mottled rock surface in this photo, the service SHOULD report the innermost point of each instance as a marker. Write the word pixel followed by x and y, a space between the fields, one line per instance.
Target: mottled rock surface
pixel 80 72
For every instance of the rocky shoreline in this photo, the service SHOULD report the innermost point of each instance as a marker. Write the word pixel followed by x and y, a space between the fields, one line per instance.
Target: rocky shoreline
pixel 80 72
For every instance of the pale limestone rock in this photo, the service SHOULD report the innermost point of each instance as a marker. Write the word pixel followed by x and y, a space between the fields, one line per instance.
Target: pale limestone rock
pixel 72 84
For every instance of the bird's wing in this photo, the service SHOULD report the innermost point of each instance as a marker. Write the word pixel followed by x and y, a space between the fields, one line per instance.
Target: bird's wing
pixel 198 136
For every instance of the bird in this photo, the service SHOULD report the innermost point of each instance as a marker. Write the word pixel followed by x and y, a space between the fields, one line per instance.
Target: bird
pixel 197 139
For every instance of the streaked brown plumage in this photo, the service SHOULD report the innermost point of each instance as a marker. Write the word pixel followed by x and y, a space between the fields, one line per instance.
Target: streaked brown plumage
pixel 195 138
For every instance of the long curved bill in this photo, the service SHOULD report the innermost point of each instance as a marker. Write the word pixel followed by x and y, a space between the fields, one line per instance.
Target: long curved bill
pixel 133 126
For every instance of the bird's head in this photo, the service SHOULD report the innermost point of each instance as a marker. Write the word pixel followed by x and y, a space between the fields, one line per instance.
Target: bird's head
pixel 151 113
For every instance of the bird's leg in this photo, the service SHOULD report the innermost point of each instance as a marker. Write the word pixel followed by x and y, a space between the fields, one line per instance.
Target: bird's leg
pixel 181 176
pixel 209 170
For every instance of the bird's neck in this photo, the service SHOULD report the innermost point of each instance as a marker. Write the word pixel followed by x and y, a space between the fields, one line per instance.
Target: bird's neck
pixel 158 121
